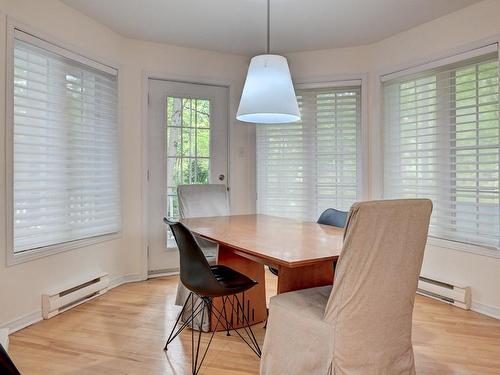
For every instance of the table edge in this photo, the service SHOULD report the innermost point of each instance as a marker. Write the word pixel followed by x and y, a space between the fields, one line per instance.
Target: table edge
pixel 272 261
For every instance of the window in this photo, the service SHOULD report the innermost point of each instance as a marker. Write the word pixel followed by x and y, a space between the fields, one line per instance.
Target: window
pixel 306 167
pixel 187 149
pixel 442 142
pixel 188 146
pixel 65 146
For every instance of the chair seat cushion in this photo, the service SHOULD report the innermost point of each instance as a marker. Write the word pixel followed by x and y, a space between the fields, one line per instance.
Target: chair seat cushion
pixel 308 303
pixel 296 325
pixel 232 280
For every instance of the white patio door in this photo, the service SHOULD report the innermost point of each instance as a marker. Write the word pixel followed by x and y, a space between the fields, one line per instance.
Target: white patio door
pixel 188 144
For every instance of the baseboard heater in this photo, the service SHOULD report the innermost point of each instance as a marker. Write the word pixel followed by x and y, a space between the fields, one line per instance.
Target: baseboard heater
pixel 57 301
pixel 452 294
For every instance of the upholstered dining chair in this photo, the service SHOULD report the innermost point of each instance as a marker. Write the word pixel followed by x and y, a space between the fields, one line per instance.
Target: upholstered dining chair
pixel 201 200
pixel 362 324
pixel 333 217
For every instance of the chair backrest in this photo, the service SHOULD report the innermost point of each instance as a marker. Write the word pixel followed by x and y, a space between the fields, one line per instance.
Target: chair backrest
pixel 333 217
pixel 376 278
pixel 202 200
pixel 195 271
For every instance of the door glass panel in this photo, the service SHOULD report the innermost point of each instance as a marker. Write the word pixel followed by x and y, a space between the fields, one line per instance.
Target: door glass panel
pixel 187 148
pixel 202 172
pixel 203 143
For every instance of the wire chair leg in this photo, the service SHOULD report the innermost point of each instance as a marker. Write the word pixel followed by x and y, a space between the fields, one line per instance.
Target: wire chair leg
pixel 208 305
pixel 194 314
pixel 246 325
pixel 222 316
pixel 194 369
pixel 251 344
pixel 177 320
pixel 248 330
pixel 192 335
pixel 224 301
pixel 188 322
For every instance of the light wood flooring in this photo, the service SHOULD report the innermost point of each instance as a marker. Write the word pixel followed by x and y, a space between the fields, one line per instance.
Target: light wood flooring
pixel 124 331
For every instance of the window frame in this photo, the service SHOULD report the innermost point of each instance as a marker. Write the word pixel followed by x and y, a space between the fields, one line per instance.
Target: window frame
pixel 457 54
pixel 170 243
pixel 338 81
pixel 73 53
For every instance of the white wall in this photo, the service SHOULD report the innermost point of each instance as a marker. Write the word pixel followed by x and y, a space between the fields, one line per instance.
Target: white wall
pixel 176 63
pixel 420 44
pixel 21 285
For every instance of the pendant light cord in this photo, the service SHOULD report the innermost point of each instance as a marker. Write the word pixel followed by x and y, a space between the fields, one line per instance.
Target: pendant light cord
pixel 268 26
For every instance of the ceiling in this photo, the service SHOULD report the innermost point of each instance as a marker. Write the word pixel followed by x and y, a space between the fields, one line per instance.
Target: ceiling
pixel 239 26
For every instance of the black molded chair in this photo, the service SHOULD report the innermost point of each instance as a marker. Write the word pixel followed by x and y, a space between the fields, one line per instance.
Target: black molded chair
pixel 207 282
pixel 330 216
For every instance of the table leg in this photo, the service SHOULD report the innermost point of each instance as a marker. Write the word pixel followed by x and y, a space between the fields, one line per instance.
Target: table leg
pixel 319 274
pixel 254 302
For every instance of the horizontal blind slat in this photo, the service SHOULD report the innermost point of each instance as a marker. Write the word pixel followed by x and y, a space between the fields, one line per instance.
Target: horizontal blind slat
pixel 305 165
pixel 442 141
pixel 66 167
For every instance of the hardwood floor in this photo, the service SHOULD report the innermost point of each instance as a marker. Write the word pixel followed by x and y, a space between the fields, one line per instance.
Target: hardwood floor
pixel 124 331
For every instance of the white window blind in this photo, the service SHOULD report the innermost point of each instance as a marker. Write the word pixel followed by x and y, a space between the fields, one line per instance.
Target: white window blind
pixel 65 147
pixel 306 167
pixel 441 131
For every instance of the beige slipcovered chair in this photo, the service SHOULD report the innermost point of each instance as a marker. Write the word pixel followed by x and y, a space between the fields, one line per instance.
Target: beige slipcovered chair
pixel 201 201
pixel 362 325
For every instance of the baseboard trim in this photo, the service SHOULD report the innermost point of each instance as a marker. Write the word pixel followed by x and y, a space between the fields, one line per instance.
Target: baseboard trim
pixel 130 278
pixel 36 316
pixel 4 338
pixel 164 272
pixel 491 311
pixel 23 322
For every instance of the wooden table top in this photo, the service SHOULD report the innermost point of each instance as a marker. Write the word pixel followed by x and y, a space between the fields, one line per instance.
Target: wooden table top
pixel 274 240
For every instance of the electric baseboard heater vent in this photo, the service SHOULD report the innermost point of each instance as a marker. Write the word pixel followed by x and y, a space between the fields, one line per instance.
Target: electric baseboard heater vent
pixel 452 294
pixel 59 300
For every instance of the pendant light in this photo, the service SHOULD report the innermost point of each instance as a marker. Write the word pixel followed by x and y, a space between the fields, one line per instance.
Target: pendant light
pixel 268 95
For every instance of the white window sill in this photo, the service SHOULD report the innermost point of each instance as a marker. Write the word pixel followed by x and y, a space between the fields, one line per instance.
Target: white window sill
pixel 29 255
pixel 466 247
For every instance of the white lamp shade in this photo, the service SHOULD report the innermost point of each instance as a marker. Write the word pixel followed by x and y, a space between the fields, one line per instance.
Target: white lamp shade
pixel 268 95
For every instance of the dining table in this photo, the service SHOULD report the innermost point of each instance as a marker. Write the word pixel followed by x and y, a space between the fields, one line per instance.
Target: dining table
pixel 303 252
